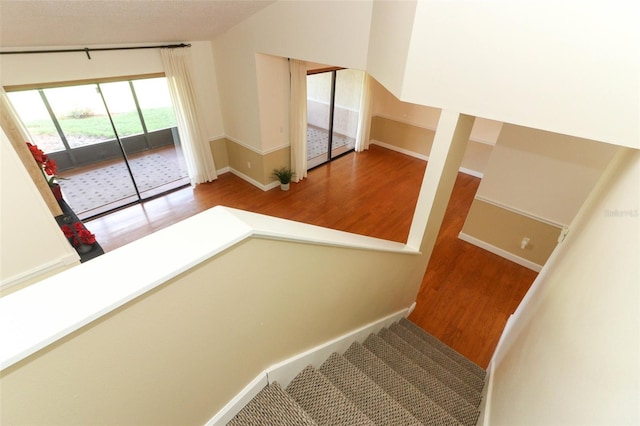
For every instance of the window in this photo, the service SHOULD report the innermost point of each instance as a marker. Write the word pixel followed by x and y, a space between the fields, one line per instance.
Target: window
pixel 115 142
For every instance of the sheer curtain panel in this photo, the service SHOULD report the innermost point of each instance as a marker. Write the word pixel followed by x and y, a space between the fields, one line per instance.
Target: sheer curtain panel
pixel 195 147
pixel 298 118
pixel 364 121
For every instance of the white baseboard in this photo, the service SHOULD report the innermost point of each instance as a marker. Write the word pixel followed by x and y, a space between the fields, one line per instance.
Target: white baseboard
pixel 223 170
pixel 400 150
pixel 232 408
pixel 500 252
pixel 254 182
pixel 471 172
pixel 421 156
pixel 286 370
pixel 283 372
pixel 485 403
pixel 411 309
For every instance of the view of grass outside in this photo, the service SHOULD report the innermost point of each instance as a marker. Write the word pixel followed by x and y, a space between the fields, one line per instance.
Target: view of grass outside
pixel 99 127
pixel 82 116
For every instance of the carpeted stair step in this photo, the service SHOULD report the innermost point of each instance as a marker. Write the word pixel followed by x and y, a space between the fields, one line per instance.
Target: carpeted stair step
pixel 455 365
pixel 372 400
pixel 437 391
pixel 325 403
pixel 432 367
pixel 411 398
pixel 272 406
pixel 447 350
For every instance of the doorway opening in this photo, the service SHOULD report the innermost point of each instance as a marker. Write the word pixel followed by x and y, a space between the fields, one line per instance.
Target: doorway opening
pixel 115 142
pixel 333 111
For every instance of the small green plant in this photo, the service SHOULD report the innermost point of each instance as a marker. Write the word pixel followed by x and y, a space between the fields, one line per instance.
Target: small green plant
pixel 283 174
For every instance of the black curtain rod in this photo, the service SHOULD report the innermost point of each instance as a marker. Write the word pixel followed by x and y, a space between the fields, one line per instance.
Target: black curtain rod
pixel 95 49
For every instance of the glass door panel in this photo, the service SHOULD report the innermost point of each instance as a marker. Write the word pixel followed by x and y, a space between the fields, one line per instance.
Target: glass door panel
pixel 33 112
pixel 151 155
pixel 333 105
pixel 101 180
pixel 155 103
pixel 319 95
pixel 159 121
pixel 115 143
pixel 346 110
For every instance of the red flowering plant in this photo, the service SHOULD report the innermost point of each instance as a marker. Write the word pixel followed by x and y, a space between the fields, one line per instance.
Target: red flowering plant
pixel 47 165
pixel 78 234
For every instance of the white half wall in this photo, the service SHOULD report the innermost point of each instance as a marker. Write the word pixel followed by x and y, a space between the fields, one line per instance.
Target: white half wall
pixel 568 66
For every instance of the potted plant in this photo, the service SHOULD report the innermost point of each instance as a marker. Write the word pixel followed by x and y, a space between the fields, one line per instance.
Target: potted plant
pixel 48 168
pixel 284 175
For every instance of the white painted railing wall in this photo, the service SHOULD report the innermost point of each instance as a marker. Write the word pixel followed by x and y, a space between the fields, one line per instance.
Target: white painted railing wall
pixel 168 329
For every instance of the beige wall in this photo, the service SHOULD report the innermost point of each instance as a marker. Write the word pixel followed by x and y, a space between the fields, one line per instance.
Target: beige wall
pixel 275 160
pixel 543 174
pixel 246 161
pixel 533 185
pixel 571 355
pixel 409 128
pixel 258 167
pixel 405 136
pixel 177 354
pixel 505 229
pixel 33 246
pixel 220 153
pixel 417 141
pixel 385 104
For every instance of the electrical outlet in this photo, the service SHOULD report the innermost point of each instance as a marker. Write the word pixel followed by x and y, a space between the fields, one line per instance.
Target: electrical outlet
pixel 249 164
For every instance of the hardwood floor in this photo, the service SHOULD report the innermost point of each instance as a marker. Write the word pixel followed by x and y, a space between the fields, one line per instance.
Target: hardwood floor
pixel 467 293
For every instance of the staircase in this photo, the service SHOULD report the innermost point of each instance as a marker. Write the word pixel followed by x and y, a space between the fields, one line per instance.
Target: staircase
pixel 400 376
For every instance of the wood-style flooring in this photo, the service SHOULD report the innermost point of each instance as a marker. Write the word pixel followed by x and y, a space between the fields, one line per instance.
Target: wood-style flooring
pixel 467 293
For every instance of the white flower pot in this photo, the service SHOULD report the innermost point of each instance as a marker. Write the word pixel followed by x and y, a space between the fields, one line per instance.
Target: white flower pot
pixel 284 186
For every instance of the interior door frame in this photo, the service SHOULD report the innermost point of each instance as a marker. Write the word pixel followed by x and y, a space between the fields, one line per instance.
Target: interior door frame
pixel 334 72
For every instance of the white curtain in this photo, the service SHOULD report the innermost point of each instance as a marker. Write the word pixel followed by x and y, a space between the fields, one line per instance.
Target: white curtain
pixel 195 147
pixel 298 118
pixel 364 121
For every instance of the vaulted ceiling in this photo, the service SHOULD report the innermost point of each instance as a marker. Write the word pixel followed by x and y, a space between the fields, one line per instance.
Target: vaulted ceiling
pixel 25 23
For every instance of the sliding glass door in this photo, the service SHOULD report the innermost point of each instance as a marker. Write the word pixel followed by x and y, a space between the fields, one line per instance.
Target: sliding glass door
pixel 333 109
pixel 115 142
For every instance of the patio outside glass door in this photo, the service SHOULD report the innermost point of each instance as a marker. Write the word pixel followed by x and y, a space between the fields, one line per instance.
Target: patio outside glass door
pixel 333 110
pixel 115 143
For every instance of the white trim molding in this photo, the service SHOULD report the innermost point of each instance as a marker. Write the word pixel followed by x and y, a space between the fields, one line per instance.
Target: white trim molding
pixel 285 371
pixel 400 150
pixel 244 145
pixel 254 149
pixel 421 156
pixel 51 309
pixel 236 404
pixel 471 172
pixel 223 170
pixel 433 129
pixel 62 262
pixel 520 212
pixel 500 252
pixel 254 182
